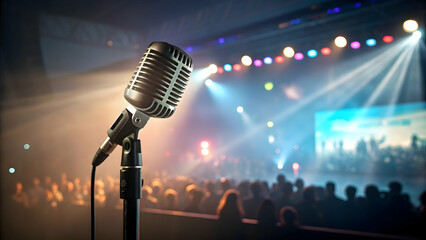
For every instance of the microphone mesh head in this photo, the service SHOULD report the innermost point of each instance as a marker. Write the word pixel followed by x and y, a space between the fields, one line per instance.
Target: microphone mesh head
pixel 160 80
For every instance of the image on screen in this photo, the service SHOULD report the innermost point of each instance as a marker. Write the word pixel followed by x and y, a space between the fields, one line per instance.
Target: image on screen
pixel 382 139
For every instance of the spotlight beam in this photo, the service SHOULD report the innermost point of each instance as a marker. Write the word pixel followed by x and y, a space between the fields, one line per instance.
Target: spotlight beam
pixel 388 55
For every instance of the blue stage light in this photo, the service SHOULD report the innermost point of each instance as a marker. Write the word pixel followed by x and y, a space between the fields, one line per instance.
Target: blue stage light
pixel 370 42
pixel 312 53
pixel 227 67
pixel 268 60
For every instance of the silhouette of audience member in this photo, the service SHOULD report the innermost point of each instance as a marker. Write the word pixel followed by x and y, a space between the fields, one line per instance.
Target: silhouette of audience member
pixel 212 198
pixel 308 209
pixel 267 220
pixel 20 198
pixel 331 207
pixel 251 204
pixel 286 197
pixel 276 190
pixel 157 191
pixel 148 201
pixel 298 195
pixel 230 213
pixel 289 223
pixel 373 210
pixel 195 197
pixel 170 200
pixel 351 208
pixel 225 184
pixel 36 194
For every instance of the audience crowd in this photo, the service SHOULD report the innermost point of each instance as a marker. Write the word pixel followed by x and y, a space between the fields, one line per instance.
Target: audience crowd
pixel 280 209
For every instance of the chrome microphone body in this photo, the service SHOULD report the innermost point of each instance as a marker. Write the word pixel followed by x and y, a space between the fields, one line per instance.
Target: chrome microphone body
pixel 155 90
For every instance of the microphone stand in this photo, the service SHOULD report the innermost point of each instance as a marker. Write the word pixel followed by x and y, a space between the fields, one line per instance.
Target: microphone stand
pixel 130 185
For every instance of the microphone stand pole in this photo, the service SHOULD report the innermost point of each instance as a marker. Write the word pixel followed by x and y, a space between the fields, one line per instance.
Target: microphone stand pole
pixel 130 185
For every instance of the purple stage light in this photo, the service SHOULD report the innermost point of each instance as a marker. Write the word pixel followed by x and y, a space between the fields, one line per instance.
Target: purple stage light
pixel 257 62
pixel 355 45
pixel 298 56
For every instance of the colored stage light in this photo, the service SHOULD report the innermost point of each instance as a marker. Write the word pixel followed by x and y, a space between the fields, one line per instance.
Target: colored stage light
pixel 326 51
pixel 11 170
pixel 204 144
pixel 340 41
pixel 270 124
pixel 208 83
pixel 221 40
pixel 269 86
pixel 410 26
pixel 240 109
pixel 312 53
pixel 227 67
pixel 267 60
pixel 213 68
pixel 298 56
pixel 220 70
pixel 371 42
pixel 358 5
pixel 288 52
pixel 257 63
pixel 279 59
pixel 26 146
pixel 296 167
pixel 387 39
pixel 237 67
pixel 246 60
pixel 355 45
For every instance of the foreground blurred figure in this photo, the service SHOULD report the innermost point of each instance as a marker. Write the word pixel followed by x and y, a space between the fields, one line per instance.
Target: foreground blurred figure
pixel 230 212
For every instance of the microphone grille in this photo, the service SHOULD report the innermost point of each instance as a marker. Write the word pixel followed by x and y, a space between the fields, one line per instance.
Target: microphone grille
pixel 160 79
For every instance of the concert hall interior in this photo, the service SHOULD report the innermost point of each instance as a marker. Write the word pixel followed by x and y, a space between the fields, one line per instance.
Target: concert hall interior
pixel 300 119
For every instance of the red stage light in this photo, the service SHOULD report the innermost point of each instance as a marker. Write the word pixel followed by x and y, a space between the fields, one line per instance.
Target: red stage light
pixel 325 51
pixel 220 70
pixel 237 67
pixel 279 59
pixel 387 39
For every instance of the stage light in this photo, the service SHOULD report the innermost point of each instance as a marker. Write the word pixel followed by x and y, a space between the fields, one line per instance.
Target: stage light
pixel 227 67
pixel 271 139
pixel 11 170
pixel 221 40
pixel 312 53
pixel 355 45
pixel 204 144
pixel 410 26
pixel 387 39
pixel 257 63
pixel 188 49
pixel 358 5
pixel 416 35
pixel 279 59
pixel 220 70
pixel 296 167
pixel 298 56
pixel 240 109
pixel 237 67
pixel 269 86
pixel 288 52
pixel 205 152
pixel 213 68
pixel 26 146
pixel 246 60
pixel 326 51
pixel 267 60
pixel 208 83
pixel 270 124
pixel 280 165
pixel 340 42
pixel 371 42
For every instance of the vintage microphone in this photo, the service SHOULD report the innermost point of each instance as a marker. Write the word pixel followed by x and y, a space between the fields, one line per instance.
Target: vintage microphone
pixel 154 91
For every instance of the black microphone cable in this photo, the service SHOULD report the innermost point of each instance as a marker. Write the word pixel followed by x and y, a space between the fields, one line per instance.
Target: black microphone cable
pixel 92 203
